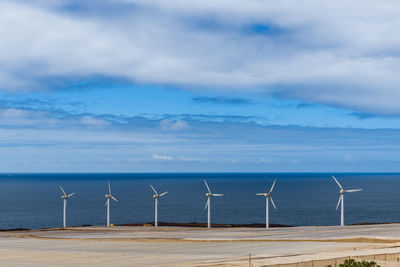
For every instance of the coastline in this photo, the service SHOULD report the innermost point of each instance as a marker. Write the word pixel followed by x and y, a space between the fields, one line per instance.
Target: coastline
pixel 197 225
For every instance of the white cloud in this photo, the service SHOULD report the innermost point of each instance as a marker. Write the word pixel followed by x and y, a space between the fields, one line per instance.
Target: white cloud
pixel 188 159
pixel 161 157
pixel 14 117
pixel 350 158
pixel 173 125
pixel 343 53
pixel 94 122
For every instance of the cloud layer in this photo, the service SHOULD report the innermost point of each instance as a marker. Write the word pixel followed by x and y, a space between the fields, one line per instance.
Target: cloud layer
pixel 42 141
pixel 342 53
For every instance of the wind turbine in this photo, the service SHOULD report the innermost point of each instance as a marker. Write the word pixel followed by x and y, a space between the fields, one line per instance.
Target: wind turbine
pixel 267 198
pixel 341 199
pixel 108 197
pixel 156 196
pixel 208 204
pixel 65 198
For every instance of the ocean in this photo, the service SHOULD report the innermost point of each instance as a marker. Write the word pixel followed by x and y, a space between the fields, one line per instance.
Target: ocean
pixel 34 200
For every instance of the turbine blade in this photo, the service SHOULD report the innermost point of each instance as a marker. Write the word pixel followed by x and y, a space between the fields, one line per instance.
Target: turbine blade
pixel 340 186
pixel 338 203
pixel 153 189
pixel 63 190
pixel 207 203
pixel 272 202
pixel 164 194
pixel 352 190
pixel 106 203
pixel 217 195
pixel 209 191
pixel 113 198
pixel 272 187
pixel 109 188
pixel 71 194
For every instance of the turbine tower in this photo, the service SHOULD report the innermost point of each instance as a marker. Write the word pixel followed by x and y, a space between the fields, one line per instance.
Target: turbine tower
pixel 341 199
pixel 108 197
pixel 267 198
pixel 65 198
pixel 208 204
pixel 156 196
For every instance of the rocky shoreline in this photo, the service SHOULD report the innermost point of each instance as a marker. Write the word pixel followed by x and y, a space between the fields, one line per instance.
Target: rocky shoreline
pixel 200 225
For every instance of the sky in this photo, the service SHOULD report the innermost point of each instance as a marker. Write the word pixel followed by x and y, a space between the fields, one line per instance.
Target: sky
pixel 199 86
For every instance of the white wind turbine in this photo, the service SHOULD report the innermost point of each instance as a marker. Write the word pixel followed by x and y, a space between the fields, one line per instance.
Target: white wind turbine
pixel 341 199
pixel 65 198
pixel 267 198
pixel 156 196
pixel 208 204
pixel 108 197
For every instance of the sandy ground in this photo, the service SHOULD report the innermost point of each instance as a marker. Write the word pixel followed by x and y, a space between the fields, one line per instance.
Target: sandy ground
pixel 184 246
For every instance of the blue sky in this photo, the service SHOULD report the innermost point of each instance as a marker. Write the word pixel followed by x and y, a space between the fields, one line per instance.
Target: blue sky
pixel 180 86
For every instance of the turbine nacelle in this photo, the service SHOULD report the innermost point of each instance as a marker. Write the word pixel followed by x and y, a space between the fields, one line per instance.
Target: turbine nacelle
pixel 209 194
pixel 270 191
pixel 156 195
pixel 65 195
pixel 342 191
pixel 109 195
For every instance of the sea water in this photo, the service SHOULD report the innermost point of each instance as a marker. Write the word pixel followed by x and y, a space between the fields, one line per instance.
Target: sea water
pixel 34 200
